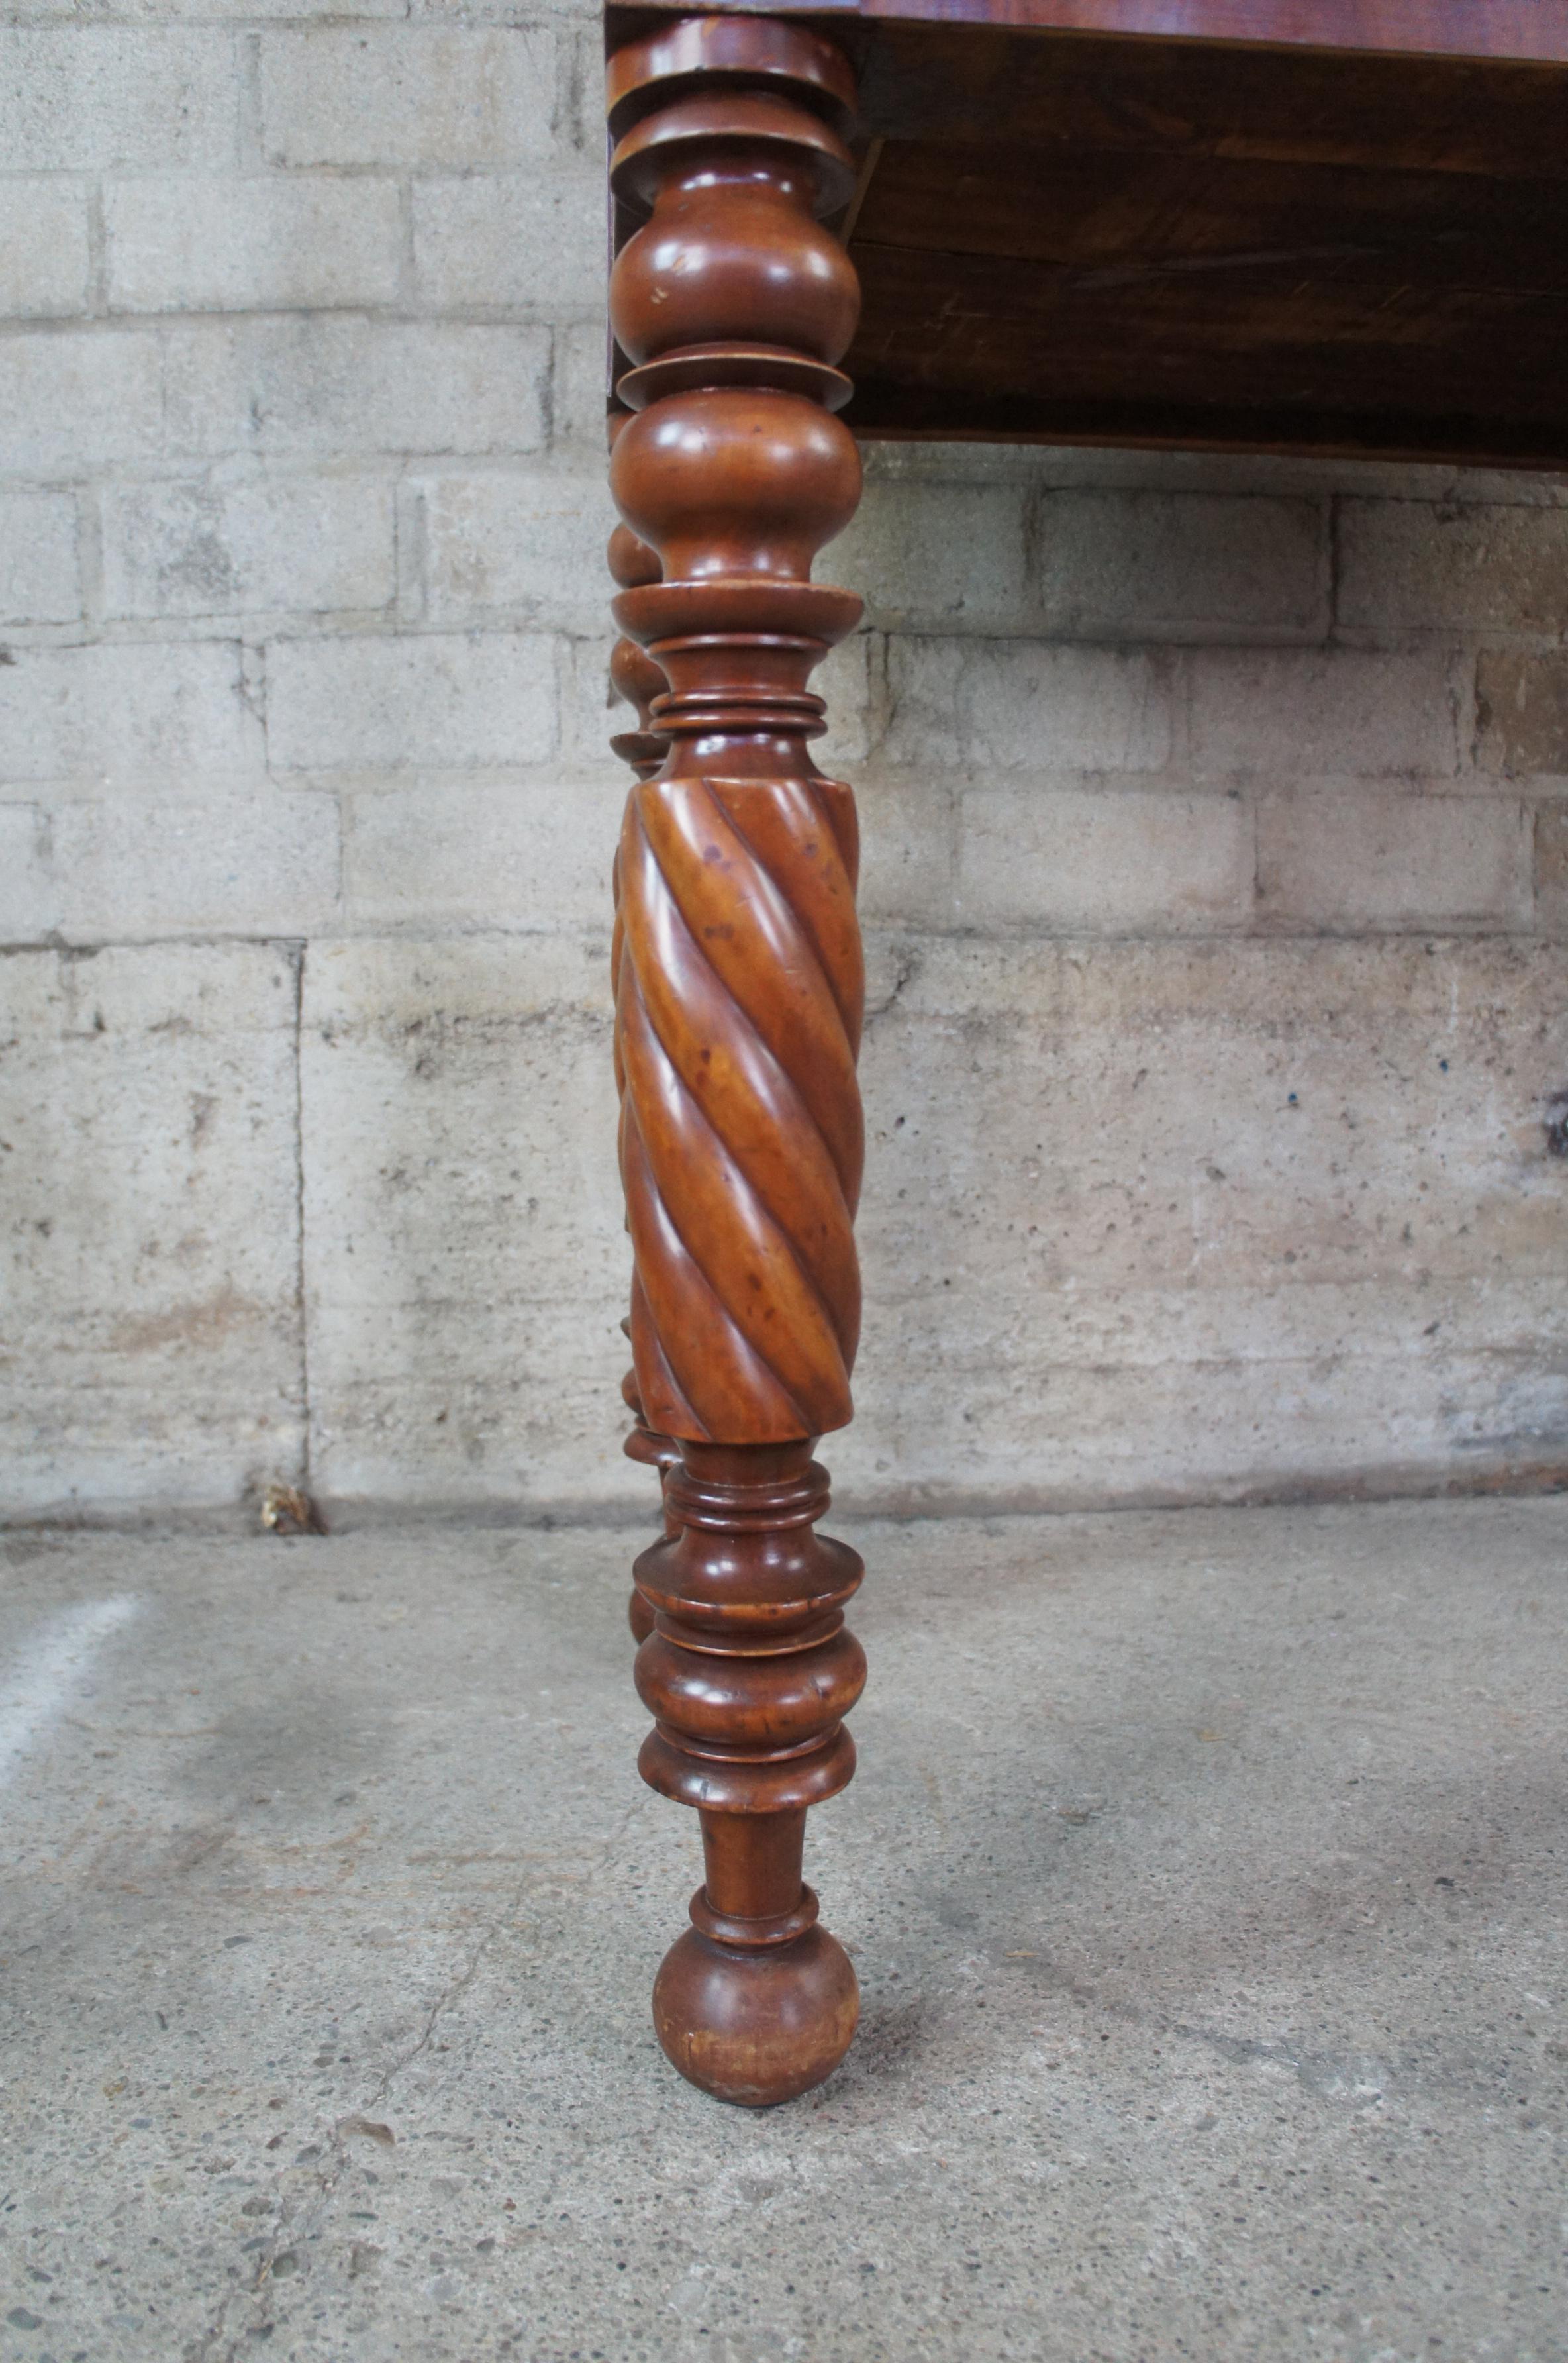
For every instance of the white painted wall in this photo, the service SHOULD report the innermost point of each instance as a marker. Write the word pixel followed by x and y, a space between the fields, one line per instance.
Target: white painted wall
pixel 1217 856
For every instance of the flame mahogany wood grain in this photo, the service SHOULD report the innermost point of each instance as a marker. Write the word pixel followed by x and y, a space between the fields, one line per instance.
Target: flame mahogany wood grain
pixel 1466 28
pixel 1303 226
pixel 1532 30
pixel 738 989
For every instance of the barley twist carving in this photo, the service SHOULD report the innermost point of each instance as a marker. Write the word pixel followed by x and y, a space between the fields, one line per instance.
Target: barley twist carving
pixel 741 1132
pixel 637 680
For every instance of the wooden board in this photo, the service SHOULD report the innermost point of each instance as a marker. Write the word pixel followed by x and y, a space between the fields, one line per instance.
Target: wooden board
pixel 1466 28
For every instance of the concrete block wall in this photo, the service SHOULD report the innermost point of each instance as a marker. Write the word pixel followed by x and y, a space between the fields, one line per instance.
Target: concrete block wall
pixel 1216 817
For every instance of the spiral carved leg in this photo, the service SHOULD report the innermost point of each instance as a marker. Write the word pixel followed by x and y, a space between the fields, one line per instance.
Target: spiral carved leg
pixel 738 992
pixel 636 680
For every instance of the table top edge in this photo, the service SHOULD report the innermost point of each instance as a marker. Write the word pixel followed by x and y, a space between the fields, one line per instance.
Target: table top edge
pixel 1503 32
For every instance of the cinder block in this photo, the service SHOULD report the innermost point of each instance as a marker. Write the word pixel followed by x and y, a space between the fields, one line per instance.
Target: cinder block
pixel 467 1267
pixel 252 12
pixel 356 386
pixel 908 851
pixel 1015 705
pixel 846 680
pixel 443 700
pixel 44 259
pixel 1078 1419
pixel 70 402
pixel 1552 869
pixel 212 547
pixel 935 557
pixel 1205 1116
pixel 29 898
pixel 527 543
pixel 1522 713
pixel 589 718
pixel 516 239
pixel 97 98
pixel 251 245
pixel 531 857
pixel 429 94
pixel 210 864
pixel 1172 565
pixel 152 1234
pixel 84 719
pixel 40 580
pixel 1370 859
pixel 581 78
pixel 1443 567
pixel 1086 860
pixel 1348 710
pixel 576 411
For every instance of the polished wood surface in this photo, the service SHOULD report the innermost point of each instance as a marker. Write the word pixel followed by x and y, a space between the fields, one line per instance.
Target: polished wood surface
pixel 1300 227
pixel 636 680
pixel 1530 29
pixel 1464 28
pixel 736 972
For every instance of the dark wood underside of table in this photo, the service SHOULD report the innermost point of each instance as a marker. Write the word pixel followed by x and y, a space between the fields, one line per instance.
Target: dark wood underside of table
pixel 1066 236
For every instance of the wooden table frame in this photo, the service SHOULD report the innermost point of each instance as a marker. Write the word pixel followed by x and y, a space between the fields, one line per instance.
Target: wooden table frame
pixel 744 188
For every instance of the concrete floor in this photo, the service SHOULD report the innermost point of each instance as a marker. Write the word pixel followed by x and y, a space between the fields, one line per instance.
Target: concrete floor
pixel 1206 1876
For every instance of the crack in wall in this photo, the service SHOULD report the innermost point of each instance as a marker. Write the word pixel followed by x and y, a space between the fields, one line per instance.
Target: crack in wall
pixel 301 1299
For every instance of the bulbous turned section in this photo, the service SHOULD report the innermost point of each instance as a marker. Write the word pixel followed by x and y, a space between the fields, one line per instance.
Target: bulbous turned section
pixel 637 680
pixel 756 2028
pixel 736 484
pixel 734 252
pixel 639 1617
pixel 631 562
pixel 635 677
pixel 683 55
pixel 782 1704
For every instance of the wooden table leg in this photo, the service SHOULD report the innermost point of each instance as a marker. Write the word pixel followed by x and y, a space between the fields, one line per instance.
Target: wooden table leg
pixel 739 993
pixel 635 676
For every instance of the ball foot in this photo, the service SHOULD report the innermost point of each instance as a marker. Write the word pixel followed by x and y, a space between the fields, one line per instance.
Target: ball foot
pixel 757 2027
